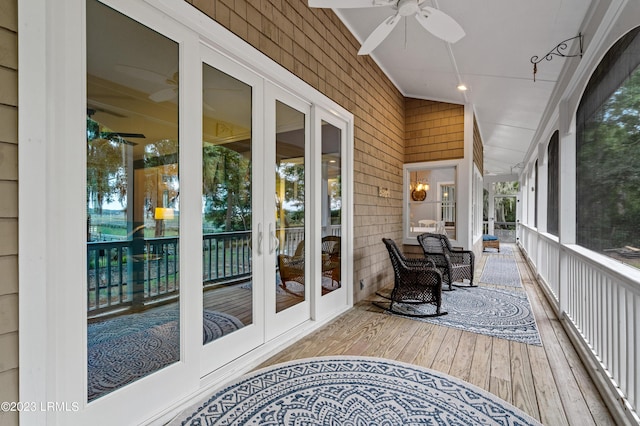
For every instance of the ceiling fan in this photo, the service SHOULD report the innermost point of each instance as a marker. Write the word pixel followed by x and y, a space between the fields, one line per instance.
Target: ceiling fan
pixel 170 82
pixel 118 137
pixel 433 20
pixel 162 95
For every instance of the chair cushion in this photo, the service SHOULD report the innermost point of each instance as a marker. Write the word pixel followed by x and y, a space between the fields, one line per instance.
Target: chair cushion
pixel 487 237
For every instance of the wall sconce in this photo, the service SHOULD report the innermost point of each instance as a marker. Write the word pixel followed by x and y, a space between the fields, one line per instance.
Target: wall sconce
pixel 162 213
pixel 418 189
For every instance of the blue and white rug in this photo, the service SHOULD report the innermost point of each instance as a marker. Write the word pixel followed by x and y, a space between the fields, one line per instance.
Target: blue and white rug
pixel 505 249
pixel 501 270
pixel 493 312
pixel 351 391
pixel 123 349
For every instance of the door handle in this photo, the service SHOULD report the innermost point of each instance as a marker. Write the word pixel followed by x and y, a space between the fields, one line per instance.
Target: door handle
pixel 273 240
pixel 259 238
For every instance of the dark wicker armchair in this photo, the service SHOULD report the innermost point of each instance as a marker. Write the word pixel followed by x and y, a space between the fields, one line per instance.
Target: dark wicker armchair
pixel 331 249
pixel 456 265
pixel 292 267
pixel 417 282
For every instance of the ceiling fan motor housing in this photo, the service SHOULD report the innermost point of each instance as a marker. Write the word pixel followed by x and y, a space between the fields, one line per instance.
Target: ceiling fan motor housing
pixel 408 7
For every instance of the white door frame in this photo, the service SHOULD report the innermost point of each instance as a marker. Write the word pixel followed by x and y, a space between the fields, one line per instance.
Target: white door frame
pixel 277 323
pixel 343 296
pixel 231 346
pixel 52 198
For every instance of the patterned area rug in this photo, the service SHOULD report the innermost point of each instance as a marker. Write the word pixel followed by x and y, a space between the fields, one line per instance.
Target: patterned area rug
pixel 351 391
pixel 501 270
pixel 504 249
pixel 126 348
pixel 493 312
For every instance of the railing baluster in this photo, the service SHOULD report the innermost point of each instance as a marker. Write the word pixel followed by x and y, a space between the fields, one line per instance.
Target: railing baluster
pixel 603 304
pixel 109 276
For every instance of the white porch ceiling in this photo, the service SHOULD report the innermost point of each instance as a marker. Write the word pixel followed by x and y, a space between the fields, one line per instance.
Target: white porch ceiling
pixel 492 60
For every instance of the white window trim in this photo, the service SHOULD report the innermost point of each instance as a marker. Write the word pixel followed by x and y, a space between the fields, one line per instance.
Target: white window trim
pixel 461 196
pixel 52 181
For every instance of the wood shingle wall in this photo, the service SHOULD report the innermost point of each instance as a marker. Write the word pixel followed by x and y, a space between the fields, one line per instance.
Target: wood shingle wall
pixel 478 147
pixel 434 131
pixel 314 45
pixel 8 207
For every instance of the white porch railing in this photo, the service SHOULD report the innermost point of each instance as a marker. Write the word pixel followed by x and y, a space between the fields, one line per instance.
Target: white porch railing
pixel 600 299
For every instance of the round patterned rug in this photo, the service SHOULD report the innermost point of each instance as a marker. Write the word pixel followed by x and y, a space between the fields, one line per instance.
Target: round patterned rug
pixel 494 312
pixel 351 391
pixel 123 349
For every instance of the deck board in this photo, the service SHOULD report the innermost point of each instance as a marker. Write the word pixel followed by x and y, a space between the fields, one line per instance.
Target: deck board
pixel 462 362
pixel 500 378
pixel 443 358
pixel 523 391
pixel 550 383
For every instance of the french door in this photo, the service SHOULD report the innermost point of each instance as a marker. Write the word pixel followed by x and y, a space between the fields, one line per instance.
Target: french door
pixel 233 250
pixel 202 212
pixel 287 276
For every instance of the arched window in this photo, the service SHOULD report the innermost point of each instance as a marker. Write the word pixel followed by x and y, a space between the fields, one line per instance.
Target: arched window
pixel 608 155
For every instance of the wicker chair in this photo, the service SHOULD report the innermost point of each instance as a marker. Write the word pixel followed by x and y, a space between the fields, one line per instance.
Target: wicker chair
pixel 417 282
pixel 331 249
pixel 292 267
pixel 456 265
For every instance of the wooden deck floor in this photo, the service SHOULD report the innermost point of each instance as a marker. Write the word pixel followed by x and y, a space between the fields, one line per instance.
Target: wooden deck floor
pixel 549 383
pixel 235 299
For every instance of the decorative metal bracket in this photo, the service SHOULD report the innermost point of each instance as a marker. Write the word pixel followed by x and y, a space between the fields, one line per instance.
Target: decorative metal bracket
pixel 556 51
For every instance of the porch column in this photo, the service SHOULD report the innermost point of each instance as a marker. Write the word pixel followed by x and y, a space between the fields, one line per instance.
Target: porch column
pixel 129 217
pixel 567 189
pixel 566 197
pixel 541 197
pixel 542 189
pixel 137 239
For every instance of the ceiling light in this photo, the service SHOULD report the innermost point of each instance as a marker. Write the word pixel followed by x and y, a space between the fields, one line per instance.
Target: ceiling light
pixel 462 87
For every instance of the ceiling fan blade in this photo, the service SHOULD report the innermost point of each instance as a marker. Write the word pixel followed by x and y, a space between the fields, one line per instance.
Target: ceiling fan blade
pixel 440 24
pixel 92 109
pixel 109 135
pixel 163 95
pixel 350 4
pixel 141 73
pixel 379 34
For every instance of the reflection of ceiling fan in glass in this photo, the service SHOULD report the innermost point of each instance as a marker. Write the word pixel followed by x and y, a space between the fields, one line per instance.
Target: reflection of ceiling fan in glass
pixel 171 82
pixel 169 93
pixel 162 95
pixel 433 20
pixel 95 131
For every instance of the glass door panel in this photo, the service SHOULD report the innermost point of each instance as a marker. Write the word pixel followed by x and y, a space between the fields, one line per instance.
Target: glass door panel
pixel 331 208
pixel 291 278
pixel 447 191
pixel 504 223
pixel 132 203
pixel 232 283
pixel 330 216
pixel 227 204
pixel 287 276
